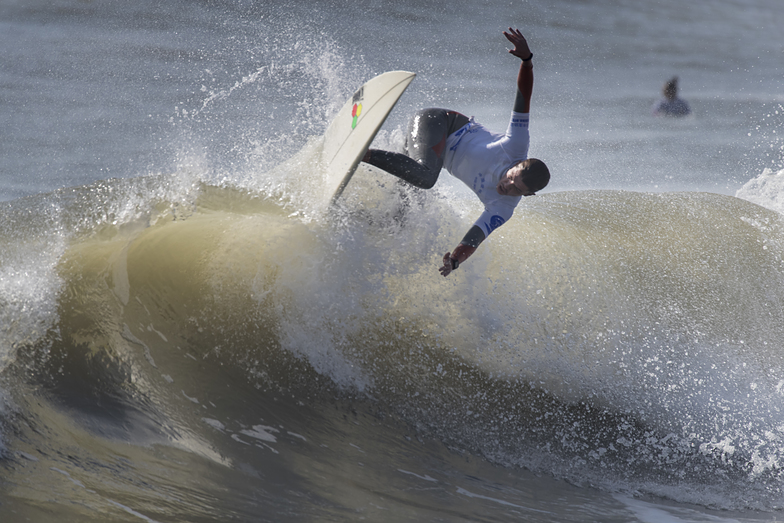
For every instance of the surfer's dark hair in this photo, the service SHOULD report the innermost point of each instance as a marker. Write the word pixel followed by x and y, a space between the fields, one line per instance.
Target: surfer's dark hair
pixel 537 176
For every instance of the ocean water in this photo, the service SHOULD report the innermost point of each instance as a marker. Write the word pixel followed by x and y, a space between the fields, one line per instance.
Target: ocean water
pixel 185 334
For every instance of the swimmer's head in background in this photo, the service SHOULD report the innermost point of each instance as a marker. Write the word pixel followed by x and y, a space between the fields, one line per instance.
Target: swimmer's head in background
pixel 670 89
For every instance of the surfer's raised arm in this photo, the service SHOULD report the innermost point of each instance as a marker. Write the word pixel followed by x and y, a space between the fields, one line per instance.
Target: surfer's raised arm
pixel 495 166
pixel 525 75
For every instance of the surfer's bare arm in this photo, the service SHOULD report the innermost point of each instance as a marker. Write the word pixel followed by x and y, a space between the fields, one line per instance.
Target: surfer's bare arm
pixel 525 75
pixel 467 246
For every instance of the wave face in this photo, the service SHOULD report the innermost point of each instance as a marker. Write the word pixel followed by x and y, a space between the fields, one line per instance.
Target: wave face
pixel 609 338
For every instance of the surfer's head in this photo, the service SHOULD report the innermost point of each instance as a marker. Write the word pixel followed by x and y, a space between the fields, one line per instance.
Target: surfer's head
pixel 524 178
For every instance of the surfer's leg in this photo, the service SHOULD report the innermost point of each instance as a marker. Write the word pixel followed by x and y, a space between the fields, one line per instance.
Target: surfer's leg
pixel 403 167
pixel 425 144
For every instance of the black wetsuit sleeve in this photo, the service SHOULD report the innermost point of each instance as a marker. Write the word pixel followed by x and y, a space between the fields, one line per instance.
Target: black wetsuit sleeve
pixel 519 103
pixel 473 237
pixel 525 85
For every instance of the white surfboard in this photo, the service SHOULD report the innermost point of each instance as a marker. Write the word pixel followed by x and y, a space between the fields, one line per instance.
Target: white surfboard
pixel 356 124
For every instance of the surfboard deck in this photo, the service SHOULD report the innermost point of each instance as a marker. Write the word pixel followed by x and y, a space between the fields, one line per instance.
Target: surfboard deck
pixel 355 126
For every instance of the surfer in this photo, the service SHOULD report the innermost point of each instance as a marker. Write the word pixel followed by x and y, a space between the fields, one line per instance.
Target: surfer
pixel 670 104
pixel 495 166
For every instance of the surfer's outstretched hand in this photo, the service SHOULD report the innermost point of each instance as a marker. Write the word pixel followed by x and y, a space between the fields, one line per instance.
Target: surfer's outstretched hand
pixel 521 49
pixel 447 267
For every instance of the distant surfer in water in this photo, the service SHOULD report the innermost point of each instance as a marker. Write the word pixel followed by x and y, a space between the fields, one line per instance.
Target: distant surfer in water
pixel 495 166
pixel 670 104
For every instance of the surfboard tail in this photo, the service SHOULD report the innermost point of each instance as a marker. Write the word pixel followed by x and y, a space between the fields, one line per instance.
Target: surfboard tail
pixel 355 126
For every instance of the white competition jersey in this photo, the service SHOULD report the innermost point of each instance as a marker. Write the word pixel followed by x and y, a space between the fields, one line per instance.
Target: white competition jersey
pixel 479 158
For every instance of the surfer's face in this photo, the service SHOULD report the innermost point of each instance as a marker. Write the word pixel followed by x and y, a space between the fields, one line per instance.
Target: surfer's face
pixel 512 183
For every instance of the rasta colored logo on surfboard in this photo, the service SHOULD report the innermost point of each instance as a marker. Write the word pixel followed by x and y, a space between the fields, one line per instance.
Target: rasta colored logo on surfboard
pixel 356 110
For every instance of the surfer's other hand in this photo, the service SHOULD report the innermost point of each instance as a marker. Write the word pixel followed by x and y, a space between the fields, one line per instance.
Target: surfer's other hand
pixel 447 267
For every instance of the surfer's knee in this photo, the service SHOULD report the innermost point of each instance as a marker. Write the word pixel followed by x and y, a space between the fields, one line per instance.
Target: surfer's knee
pixel 428 181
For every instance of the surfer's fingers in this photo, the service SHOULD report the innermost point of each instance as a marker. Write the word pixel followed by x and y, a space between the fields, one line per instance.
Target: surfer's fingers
pixel 517 39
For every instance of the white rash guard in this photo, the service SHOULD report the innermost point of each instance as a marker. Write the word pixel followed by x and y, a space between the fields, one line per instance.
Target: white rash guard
pixel 479 158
